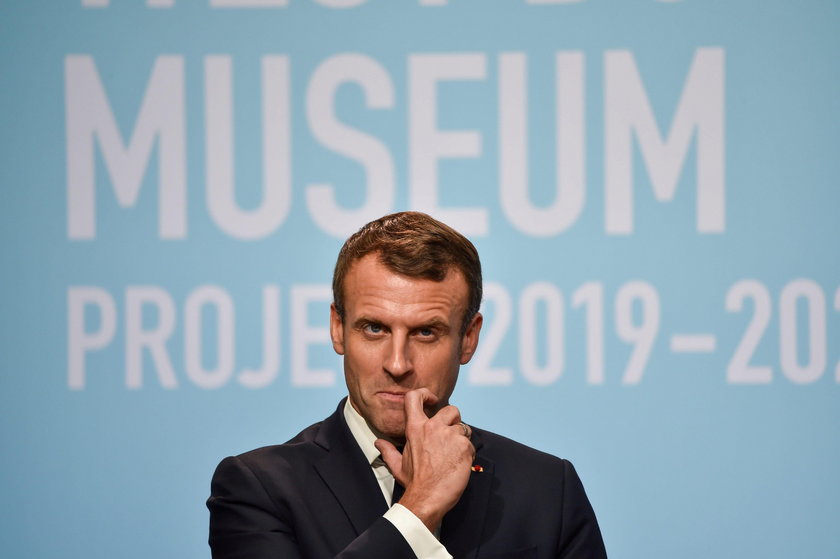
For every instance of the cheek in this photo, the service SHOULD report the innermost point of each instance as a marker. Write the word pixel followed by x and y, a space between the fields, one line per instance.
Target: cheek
pixel 439 369
pixel 360 363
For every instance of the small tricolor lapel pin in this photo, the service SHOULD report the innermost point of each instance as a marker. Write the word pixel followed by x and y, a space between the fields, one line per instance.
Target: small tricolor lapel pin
pixel 477 468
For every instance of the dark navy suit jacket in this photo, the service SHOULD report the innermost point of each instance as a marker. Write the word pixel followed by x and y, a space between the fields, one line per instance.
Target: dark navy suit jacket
pixel 316 497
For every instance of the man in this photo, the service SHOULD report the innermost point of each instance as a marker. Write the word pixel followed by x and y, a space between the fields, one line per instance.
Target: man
pixel 406 290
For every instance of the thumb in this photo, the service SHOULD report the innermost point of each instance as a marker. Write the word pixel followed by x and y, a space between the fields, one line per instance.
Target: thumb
pixel 391 456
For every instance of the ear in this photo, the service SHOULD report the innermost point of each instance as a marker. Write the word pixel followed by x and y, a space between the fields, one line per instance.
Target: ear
pixel 336 330
pixel 469 341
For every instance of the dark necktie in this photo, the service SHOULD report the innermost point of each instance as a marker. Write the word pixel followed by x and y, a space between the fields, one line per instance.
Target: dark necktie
pixel 398 492
pixel 378 462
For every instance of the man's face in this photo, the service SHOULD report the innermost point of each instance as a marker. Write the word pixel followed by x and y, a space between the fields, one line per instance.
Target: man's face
pixel 399 334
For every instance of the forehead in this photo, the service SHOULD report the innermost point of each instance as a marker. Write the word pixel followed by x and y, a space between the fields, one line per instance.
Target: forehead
pixel 371 287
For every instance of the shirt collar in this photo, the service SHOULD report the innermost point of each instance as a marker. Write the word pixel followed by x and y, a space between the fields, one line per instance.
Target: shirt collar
pixel 361 432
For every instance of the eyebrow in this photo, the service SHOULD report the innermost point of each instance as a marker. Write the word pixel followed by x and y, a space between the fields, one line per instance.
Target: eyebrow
pixel 434 323
pixel 363 320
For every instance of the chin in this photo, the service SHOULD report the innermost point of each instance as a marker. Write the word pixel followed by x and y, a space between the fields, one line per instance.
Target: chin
pixel 397 440
pixel 392 430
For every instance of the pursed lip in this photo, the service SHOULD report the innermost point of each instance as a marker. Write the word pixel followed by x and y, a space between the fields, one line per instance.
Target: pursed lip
pixel 392 396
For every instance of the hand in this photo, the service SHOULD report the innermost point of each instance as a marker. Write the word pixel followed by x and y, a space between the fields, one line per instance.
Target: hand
pixel 434 466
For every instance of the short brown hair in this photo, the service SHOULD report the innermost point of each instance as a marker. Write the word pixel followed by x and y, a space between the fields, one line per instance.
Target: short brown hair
pixel 415 245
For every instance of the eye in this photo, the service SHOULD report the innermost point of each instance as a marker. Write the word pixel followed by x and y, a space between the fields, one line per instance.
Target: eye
pixel 426 332
pixel 372 328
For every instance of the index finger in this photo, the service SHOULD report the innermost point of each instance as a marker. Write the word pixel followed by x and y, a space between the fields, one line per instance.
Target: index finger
pixel 415 401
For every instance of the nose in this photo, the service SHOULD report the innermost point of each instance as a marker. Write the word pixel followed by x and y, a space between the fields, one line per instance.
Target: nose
pixel 397 360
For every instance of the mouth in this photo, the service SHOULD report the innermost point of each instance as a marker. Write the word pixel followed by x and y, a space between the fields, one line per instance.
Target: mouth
pixel 393 396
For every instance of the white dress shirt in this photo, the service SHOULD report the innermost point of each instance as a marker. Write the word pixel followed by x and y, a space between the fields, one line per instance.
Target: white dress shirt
pixel 423 542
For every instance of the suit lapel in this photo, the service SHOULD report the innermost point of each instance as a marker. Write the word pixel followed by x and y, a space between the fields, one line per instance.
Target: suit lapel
pixel 463 526
pixel 346 472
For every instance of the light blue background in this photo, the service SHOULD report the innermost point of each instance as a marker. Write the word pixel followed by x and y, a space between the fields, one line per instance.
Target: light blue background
pixel 682 464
